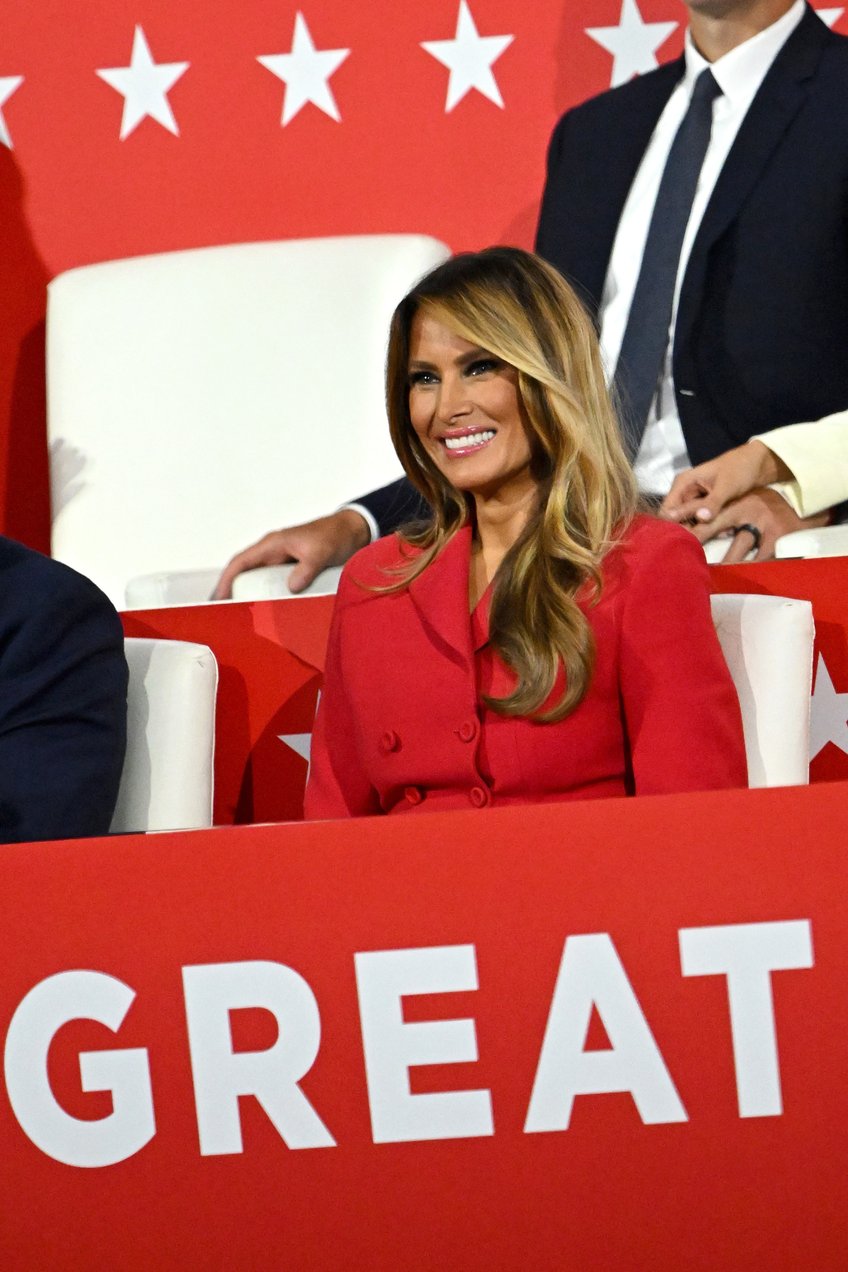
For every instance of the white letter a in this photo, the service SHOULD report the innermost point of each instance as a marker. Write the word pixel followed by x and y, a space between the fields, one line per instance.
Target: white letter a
pixel 591 974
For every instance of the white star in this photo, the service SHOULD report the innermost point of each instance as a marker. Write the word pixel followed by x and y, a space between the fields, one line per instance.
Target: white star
pixel 469 57
pixel 633 43
pixel 144 87
pixel 830 16
pixel 306 72
pixel 8 84
pixel 829 714
pixel 300 742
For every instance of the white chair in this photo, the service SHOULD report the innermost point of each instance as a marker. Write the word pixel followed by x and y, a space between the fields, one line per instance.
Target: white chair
pixel 198 399
pixel 827 541
pixel 767 643
pixel 166 783
pixel 186 587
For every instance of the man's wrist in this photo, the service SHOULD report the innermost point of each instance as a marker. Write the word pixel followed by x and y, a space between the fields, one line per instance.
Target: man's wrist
pixel 771 467
pixel 362 526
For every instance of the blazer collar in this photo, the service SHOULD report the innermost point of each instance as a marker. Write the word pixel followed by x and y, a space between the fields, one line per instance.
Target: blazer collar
pixel 781 95
pixel 440 595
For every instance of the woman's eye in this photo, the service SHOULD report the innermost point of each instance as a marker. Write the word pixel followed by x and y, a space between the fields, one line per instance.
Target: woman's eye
pixel 421 377
pixel 481 366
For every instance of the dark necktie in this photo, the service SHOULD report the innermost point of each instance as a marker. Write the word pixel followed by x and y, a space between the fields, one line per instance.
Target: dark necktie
pixel 643 349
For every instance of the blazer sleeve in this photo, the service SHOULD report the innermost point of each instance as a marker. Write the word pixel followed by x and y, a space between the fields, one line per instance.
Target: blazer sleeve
pixel 337 785
pixel 817 454
pixel 682 717
pixel 63 706
pixel 394 505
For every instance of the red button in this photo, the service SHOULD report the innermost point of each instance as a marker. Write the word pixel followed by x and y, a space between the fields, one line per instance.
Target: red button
pixel 413 795
pixel 467 731
pixel 479 796
pixel 389 742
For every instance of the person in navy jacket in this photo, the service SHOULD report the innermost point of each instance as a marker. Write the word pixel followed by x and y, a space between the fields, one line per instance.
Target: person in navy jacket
pixel 537 640
pixel 63 700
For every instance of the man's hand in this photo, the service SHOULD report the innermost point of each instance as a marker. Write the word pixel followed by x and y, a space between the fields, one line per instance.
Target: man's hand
pixel 767 511
pixel 314 546
pixel 700 493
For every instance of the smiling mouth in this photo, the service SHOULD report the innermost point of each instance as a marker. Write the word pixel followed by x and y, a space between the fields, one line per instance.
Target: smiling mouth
pixel 465 443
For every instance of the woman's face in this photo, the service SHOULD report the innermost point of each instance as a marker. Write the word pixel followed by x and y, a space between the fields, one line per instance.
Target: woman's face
pixel 465 407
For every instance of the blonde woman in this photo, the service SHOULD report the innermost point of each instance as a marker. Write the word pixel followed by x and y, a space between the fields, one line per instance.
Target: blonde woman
pixel 538 639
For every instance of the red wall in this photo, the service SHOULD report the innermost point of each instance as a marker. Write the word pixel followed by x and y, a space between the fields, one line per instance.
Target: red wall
pixel 71 192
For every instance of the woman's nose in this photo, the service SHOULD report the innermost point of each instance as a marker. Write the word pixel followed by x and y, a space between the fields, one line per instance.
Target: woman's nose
pixel 453 399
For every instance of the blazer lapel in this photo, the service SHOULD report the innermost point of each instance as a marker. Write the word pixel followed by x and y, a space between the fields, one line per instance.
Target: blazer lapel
pixel 440 596
pixel 781 95
pixel 615 159
pixel 584 199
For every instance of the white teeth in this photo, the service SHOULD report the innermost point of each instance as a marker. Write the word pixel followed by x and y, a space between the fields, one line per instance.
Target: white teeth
pixel 469 439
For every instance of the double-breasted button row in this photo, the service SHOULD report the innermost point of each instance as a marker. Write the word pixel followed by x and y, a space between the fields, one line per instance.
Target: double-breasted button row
pixel 467 731
pixel 480 796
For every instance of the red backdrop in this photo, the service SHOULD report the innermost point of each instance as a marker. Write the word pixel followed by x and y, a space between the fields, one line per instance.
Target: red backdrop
pixel 72 192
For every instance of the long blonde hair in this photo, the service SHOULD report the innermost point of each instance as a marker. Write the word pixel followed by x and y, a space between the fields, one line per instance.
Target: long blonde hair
pixel 515 306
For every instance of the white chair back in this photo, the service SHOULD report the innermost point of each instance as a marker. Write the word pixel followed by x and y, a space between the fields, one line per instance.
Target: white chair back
pixel 166 783
pixel 767 642
pixel 192 587
pixel 825 542
pixel 198 399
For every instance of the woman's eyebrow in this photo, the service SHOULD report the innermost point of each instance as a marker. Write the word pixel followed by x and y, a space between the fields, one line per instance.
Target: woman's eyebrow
pixel 472 355
pixel 461 360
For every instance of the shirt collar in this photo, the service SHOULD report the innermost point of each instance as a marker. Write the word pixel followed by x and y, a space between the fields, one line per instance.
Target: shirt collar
pixel 740 72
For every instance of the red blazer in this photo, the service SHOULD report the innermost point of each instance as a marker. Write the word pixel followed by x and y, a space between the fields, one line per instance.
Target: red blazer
pixel 401 725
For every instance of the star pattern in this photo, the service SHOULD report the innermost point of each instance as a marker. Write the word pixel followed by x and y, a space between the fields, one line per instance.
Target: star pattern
pixel 469 57
pixel 633 43
pixel 306 72
pixel 829 713
pixel 8 84
pixel 144 86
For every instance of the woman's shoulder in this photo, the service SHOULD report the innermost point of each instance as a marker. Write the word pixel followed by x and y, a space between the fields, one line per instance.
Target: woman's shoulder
pixel 376 566
pixel 647 534
pixel 650 543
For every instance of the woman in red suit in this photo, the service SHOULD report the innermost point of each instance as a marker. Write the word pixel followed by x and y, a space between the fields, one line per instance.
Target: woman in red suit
pixel 538 639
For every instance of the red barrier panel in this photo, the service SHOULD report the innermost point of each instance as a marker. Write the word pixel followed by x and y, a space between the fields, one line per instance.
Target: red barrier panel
pixel 271 654
pixel 589 1036
pixel 270 659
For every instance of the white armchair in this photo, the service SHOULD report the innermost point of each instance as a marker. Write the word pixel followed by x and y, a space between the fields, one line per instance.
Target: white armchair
pixel 188 587
pixel 827 541
pixel 198 399
pixel 767 643
pixel 167 783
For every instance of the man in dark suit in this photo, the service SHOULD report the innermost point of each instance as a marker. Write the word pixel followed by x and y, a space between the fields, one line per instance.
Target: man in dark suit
pixel 760 318
pixel 63 700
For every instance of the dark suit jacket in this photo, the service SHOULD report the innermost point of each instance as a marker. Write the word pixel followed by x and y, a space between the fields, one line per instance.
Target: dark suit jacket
pixel 762 324
pixel 63 700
